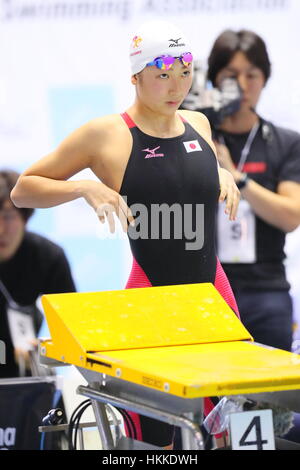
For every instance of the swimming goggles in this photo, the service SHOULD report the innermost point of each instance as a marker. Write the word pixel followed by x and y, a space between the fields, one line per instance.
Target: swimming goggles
pixel 165 62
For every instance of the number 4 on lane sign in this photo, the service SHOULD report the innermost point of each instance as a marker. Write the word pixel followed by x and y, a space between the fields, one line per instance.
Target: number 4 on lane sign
pixel 252 430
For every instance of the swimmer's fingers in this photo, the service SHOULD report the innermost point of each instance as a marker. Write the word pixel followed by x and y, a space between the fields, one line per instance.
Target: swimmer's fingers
pixel 105 211
pixel 125 214
pixel 105 202
pixel 120 208
pixel 232 201
pixel 110 218
pixel 223 180
pixel 235 203
pixel 230 192
pixel 223 193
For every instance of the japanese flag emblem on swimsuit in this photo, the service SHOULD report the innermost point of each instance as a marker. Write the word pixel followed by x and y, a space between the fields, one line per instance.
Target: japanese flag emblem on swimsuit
pixel 192 146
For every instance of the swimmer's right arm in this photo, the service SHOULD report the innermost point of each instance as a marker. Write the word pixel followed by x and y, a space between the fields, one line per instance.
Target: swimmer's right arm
pixel 44 184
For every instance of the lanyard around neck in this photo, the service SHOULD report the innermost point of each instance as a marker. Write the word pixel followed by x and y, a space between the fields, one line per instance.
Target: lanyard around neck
pixel 247 146
pixel 7 295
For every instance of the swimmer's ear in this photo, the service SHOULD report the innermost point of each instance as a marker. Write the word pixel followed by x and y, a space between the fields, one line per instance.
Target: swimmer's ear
pixel 134 79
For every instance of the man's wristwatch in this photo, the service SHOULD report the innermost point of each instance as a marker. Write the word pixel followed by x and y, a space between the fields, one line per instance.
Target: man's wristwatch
pixel 242 181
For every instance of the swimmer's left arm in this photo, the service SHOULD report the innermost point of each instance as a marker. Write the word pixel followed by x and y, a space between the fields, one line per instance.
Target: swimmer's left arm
pixel 228 187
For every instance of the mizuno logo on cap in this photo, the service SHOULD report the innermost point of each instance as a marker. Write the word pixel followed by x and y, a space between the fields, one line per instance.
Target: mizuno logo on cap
pixel 174 43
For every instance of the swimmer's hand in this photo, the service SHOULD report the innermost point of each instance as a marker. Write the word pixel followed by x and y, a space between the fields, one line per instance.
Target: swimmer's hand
pixel 230 192
pixel 228 188
pixel 105 201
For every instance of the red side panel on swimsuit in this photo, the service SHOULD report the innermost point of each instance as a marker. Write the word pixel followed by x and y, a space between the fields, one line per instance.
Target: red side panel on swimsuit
pixel 138 278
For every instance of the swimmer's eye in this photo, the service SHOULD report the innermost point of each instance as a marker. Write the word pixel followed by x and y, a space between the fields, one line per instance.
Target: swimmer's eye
pixel 164 76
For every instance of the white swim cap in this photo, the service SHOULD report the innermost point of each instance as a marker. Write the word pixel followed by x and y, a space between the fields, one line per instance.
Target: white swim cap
pixel 154 39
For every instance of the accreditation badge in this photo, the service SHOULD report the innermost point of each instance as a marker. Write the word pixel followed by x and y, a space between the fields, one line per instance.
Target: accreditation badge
pixel 21 329
pixel 237 239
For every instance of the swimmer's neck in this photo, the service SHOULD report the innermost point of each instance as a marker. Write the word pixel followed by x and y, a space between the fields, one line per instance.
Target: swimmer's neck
pixel 155 123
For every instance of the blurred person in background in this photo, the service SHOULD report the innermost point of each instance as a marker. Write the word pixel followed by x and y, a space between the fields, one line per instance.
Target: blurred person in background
pixel 264 160
pixel 30 265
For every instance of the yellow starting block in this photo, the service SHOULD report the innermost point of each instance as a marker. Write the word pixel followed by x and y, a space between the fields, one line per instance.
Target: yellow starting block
pixel 165 347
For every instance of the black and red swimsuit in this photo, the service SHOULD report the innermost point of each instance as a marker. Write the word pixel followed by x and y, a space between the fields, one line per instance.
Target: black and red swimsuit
pixel 178 171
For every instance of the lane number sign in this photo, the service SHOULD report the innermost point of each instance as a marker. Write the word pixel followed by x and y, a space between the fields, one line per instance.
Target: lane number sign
pixel 252 430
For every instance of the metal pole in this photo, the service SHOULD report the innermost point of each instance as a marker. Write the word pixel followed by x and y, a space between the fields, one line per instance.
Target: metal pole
pixel 102 421
pixel 188 441
pixel 103 425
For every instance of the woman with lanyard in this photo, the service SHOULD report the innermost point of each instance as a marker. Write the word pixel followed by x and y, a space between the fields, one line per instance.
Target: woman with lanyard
pixel 150 155
pixel 265 163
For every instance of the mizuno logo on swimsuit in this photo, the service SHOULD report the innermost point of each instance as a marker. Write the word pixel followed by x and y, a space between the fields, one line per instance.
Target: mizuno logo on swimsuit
pixel 175 42
pixel 152 153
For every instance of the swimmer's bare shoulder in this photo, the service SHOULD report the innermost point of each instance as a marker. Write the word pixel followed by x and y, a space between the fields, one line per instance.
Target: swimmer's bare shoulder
pixel 102 145
pixel 112 144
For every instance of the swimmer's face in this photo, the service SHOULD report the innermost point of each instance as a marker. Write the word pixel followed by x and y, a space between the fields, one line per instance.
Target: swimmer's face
pixel 12 228
pixel 163 90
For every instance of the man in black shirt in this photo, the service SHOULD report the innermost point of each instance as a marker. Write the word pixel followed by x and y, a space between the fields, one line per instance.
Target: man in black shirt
pixel 264 160
pixel 30 265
